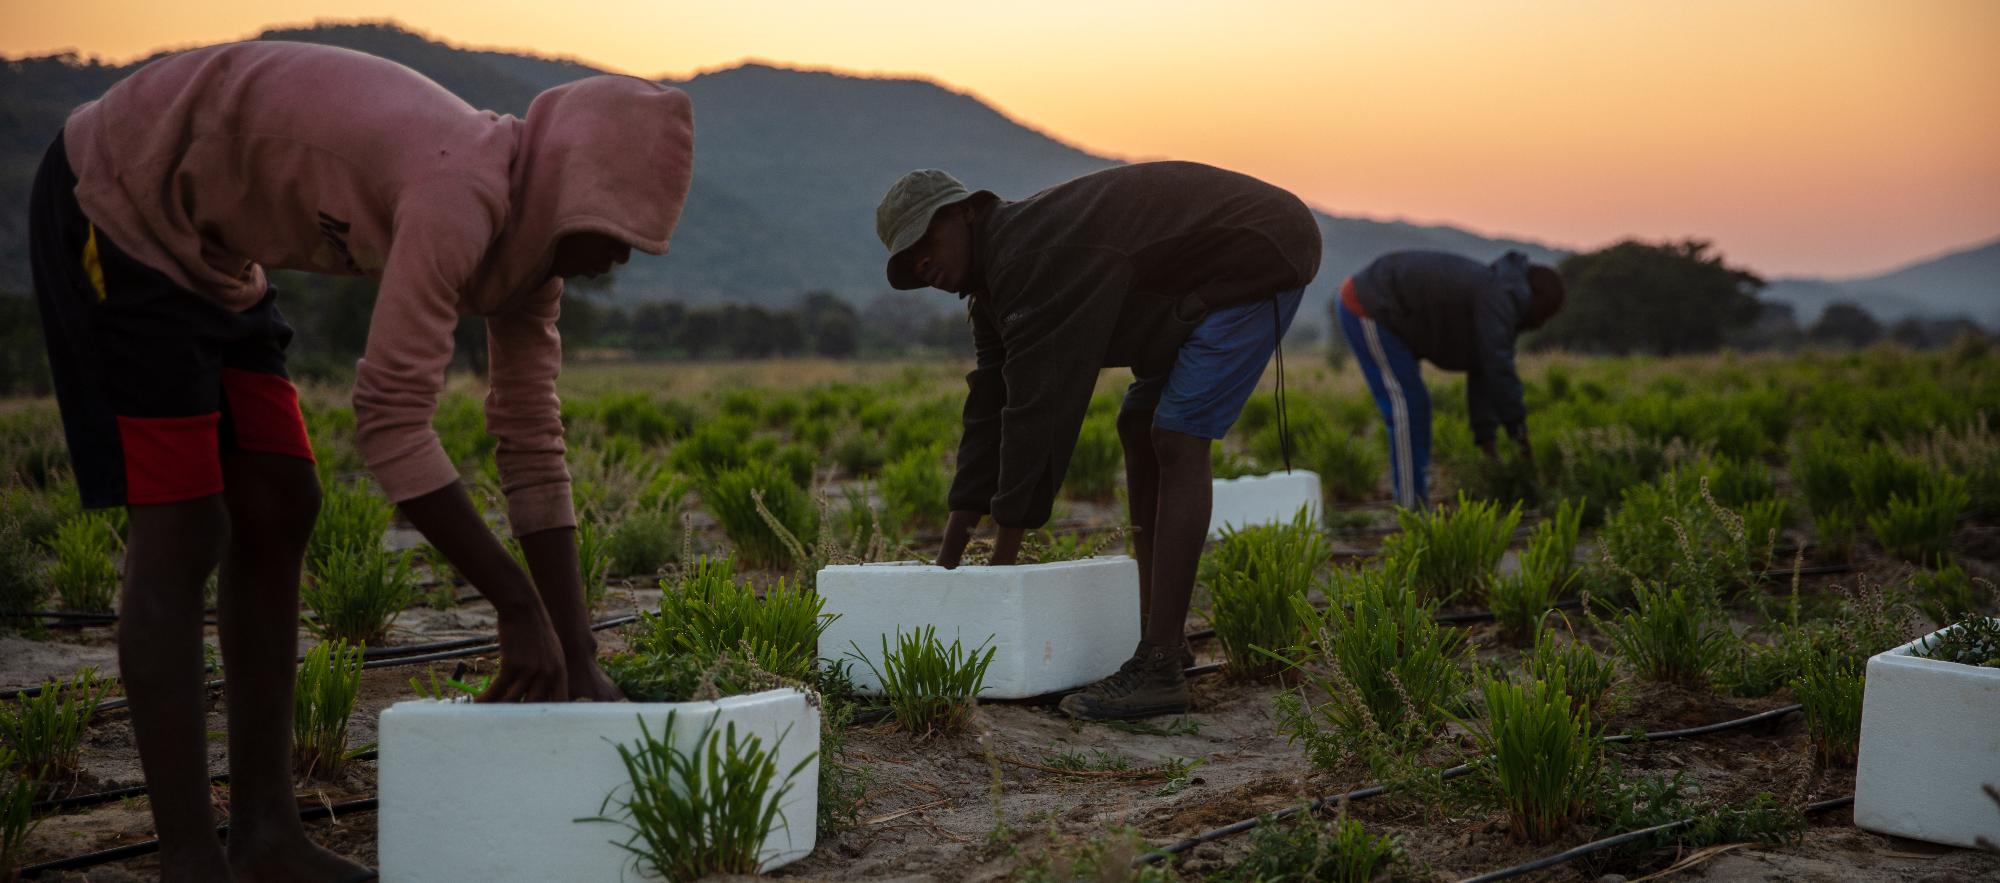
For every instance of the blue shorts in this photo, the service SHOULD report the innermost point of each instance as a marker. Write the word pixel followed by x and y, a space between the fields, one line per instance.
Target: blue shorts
pixel 1218 368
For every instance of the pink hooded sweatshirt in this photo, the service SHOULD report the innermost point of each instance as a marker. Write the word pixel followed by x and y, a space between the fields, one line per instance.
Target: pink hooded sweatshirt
pixel 212 165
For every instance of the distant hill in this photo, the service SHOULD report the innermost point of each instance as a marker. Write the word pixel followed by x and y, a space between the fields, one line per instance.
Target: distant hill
pixel 789 165
pixel 1961 283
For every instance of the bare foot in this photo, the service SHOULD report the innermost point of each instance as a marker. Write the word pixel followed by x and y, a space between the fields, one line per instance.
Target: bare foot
pixel 302 861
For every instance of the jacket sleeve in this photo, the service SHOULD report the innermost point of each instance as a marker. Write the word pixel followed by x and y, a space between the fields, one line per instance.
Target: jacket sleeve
pixel 437 244
pixel 1053 354
pixel 986 394
pixel 524 414
pixel 1493 387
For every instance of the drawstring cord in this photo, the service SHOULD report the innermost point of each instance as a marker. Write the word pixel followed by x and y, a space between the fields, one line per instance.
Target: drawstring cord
pixel 1284 431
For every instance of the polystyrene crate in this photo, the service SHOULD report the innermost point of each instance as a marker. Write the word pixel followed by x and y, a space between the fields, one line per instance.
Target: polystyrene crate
pixel 492 792
pixel 1053 626
pixel 1263 499
pixel 1930 737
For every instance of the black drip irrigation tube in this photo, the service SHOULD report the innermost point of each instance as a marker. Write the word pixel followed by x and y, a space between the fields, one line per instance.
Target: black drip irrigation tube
pixel 148 847
pixel 1613 842
pixel 1335 800
pixel 463 649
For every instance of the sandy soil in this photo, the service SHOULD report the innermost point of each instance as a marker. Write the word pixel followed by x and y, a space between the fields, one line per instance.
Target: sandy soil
pixel 976 807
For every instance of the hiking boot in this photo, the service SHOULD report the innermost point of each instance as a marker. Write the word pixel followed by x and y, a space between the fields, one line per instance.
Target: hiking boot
pixel 1151 683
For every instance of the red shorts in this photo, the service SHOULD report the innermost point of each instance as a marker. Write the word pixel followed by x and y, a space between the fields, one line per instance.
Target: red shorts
pixel 154 382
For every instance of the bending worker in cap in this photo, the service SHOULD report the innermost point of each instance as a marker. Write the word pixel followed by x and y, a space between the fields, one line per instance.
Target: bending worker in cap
pixel 1186 273
pixel 1461 315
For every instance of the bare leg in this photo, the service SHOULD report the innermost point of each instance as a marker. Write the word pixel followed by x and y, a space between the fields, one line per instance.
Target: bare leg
pixel 1142 491
pixel 170 549
pixel 273 502
pixel 1180 530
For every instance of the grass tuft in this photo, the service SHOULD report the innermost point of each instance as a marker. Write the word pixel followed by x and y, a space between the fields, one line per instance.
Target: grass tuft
pixel 357 592
pixel 1452 552
pixel 1257 576
pixel 1544 758
pixel 931 688
pixel 702 811
pixel 84 577
pixel 44 732
pixel 329 681
pixel 708 613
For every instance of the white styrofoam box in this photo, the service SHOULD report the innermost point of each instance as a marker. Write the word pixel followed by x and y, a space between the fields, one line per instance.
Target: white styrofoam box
pixel 1930 737
pixel 1263 499
pixel 1053 626
pixel 493 792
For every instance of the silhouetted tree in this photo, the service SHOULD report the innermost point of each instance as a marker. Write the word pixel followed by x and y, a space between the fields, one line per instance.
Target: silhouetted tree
pixel 833 326
pixel 1636 297
pixel 1845 324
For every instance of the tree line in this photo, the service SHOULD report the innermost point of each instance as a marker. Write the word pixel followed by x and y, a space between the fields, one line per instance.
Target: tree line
pixel 1630 298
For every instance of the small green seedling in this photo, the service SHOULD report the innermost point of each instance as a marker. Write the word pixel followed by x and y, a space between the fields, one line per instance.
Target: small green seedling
pixel 701 811
pixel 1304 847
pixel 17 814
pixel 1544 760
pixel 329 681
pixel 45 731
pixel 931 688
pixel 82 573
pixel 357 593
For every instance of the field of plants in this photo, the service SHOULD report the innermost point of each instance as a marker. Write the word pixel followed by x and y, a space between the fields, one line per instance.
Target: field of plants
pixel 1651 629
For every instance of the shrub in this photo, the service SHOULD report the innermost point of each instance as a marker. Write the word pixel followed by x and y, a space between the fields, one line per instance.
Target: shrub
pixel 715 446
pixel 1387 672
pixel 708 613
pixel 1350 467
pixel 329 680
pixel 83 575
pixel 1919 528
pixel 913 491
pixel 859 454
pixel 931 688
pixel 45 731
pixel 21 584
pixel 733 497
pixel 702 811
pixel 1668 634
pixel 1974 640
pixel 680 677
pixel 1451 552
pixel 1259 573
pixel 1947 594
pixel 644 542
pixel 350 517
pixel 1303 847
pixel 356 593
pixel 1972 453
pixel 1545 760
pixel 1880 475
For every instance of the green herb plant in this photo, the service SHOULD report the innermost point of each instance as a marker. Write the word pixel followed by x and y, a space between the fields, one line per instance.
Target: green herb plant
pixel 1337 850
pixel 329 681
pixel 931 688
pixel 707 612
pixel 1544 758
pixel 1452 552
pixel 357 592
pixel 698 811
pixel 1260 577
pixel 44 732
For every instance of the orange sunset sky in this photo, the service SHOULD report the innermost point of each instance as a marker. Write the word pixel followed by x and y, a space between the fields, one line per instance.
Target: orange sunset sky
pixel 1822 137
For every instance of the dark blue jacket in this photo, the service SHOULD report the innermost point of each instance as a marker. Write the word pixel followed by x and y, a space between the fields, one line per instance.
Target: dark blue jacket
pixel 1461 315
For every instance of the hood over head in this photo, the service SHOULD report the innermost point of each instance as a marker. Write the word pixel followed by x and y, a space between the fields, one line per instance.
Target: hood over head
pixel 606 154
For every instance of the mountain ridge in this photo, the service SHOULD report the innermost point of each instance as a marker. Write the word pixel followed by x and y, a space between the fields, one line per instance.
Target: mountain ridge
pixel 790 162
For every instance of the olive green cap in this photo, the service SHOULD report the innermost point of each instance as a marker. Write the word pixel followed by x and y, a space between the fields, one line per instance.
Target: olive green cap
pixel 905 215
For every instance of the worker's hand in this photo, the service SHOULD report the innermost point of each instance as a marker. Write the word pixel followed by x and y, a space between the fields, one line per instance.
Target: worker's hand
pixel 590 682
pixel 531 662
pixel 957 532
pixel 1007 547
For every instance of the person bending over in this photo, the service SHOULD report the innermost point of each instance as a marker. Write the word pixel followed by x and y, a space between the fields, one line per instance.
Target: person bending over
pixel 1461 315
pixel 1186 273
pixel 154 216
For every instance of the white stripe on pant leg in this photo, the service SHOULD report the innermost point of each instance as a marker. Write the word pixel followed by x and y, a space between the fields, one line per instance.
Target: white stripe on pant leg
pixel 1399 410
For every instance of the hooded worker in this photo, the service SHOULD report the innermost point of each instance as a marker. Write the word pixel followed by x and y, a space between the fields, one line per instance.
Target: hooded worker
pixel 154 218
